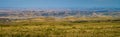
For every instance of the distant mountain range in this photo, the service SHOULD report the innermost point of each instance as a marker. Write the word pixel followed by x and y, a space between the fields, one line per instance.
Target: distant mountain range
pixel 59 12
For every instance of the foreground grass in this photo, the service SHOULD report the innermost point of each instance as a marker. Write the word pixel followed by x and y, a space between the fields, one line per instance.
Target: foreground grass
pixel 32 28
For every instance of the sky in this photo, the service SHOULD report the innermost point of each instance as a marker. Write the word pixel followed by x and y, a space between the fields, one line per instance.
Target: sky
pixel 59 3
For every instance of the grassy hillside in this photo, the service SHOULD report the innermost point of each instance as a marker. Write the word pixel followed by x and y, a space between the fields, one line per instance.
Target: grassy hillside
pixel 61 27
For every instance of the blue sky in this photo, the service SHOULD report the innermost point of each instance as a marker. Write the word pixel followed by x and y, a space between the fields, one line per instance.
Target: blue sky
pixel 59 3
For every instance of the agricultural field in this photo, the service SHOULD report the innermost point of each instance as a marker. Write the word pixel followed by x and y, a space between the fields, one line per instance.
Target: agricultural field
pixel 61 27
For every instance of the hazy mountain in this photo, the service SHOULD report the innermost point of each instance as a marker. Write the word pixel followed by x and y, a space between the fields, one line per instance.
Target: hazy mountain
pixel 58 12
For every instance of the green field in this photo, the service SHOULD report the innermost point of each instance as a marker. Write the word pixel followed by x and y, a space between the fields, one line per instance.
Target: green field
pixel 68 27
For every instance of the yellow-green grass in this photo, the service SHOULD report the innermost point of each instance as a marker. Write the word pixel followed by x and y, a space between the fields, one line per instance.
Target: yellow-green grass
pixel 61 28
